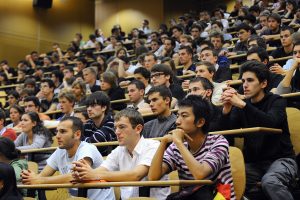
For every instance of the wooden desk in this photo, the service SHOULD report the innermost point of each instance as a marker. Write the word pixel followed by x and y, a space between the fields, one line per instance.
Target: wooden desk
pixel 244 54
pixel 295 94
pixel 118 184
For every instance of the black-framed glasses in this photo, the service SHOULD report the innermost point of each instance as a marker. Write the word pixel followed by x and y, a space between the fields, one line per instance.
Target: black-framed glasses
pixel 156 75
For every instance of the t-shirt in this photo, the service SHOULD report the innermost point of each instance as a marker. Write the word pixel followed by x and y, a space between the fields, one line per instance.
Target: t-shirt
pixel 61 162
pixel 120 160
pixel 278 53
pixel 215 152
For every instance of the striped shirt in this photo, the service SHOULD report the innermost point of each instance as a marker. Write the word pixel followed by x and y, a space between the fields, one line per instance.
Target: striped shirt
pixel 215 152
pixel 104 133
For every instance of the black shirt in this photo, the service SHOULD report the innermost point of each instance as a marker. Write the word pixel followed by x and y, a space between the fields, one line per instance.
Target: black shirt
pixel 278 53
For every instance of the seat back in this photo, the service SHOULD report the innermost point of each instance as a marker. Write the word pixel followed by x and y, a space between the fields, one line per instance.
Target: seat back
pixel 238 171
pixel 293 116
pixel 174 176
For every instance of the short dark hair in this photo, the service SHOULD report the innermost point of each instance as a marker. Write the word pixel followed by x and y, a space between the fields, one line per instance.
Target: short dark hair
pixel 83 60
pixel 49 82
pixel 34 99
pixel 259 69
pixel 151 54
pixel 2 115
pixel 14 94
pixel 8 149
pixel 18 108
pixel 217 34
pixel 163 68
pixel 163 91
pixel 243 26
pixel 210 67
pixel 139 84
pixel 214 52
pixel 276 17
pixel 177 27
pixel 99 98
pixel 58 74
pixel 260 41
pixel 287 28
pixel 200 109
pixel 76 123
pixel 173 42
pixel 188 49
pixel 144 72
pixel 207 85
pixel 135 118
pixel 261 52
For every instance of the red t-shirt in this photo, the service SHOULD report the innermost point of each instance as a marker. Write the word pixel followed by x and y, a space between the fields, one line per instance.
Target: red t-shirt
pixel 10 133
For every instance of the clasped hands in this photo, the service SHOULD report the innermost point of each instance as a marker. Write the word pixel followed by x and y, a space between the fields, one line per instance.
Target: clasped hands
pixel 230 98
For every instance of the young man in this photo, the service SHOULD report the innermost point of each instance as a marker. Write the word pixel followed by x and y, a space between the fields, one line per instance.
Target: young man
pixel 223 72
pixel 90 78
pixel 274 22
pixel 70 149
pixel 100 126
pixel 269 158
pixel 150 60
pixel 66 101
pixel 143 75
pixel 136 92
pixel 130 161
pixel 32 104
pixel 81 63
pixel 244 33
pixel 6 132
pixel 185 58
pixel 161 74
pixel 47 98
pixel 160 98
pixel 205 157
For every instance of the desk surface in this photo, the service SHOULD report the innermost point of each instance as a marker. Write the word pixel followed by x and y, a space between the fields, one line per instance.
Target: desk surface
pixel 118 184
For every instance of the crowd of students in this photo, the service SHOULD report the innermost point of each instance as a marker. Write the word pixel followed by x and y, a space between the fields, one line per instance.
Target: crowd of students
pixel 102 88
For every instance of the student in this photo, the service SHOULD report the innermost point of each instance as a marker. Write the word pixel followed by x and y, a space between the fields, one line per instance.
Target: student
pixel 8 184
pixel 130 161
pixel 269 158
pixel 204 157
pixel 71 149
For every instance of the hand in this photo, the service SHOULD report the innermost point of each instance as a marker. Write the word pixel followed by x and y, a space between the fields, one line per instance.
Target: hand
pixel 167 139
pixel 178 135
pixel 28 57
pixel 296 63
pixel 188 72
pixel 277 69
pixel 29 177
pixel 82 171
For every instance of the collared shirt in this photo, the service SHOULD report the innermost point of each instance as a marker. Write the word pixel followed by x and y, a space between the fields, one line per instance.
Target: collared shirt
pixel 121 160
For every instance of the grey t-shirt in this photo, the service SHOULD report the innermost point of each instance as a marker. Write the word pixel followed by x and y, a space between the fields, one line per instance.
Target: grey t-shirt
pixel 61 162
pixel 160 126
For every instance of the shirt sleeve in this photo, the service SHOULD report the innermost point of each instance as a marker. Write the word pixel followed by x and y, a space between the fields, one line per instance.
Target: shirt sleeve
pixel 19 141
pixel 218 155
pixel 52 160
pixel 38 142
pixel 148 153
pixel 88 151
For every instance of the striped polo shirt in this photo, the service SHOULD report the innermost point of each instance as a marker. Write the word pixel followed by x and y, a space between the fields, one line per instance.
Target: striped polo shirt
pixel 215 152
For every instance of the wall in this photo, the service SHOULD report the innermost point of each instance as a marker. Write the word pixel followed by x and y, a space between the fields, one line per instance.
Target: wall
pixel 127 13
pixel 24 28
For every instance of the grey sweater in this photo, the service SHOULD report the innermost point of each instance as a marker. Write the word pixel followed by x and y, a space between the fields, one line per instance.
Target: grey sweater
pixel 160 126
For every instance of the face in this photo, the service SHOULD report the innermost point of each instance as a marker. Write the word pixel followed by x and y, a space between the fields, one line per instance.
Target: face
pixel 135 95
pixel 208 56
pixel 158 105
pixel 163 37
pixel 67 74
pixel 88 76
pixel 121 53
pixel 27 124
pixel 65 136
pixel 286 38
pixel 176 33
pixel 149 62
pixel 168 45
pixel 96 111
pixel 185 120
pixel 263 20
pixel 79 66
pixel 14 115
pixel 215 27
pixel 217 42
pixel 195 33
pixel 104 85
pixel 46 90
pixel 30 107
pixel 154 46
pixel 159 78
pixel 66 106
pixel 76 89
pixel 81 117
pixel 141 78
pixel 273 24
pixel 252 86
pixel 184 56
pixel 244 35
pixel 183 41
pixel 196 88
pixel 253 56
pixel 126 134
pixel 100 60
pixel 296 51
pixel 218 15
pixel 252 43
pixel 202 71
pixel 11 100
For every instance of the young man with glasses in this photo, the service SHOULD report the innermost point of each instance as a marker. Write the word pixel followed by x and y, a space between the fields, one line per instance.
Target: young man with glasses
pixel 100 126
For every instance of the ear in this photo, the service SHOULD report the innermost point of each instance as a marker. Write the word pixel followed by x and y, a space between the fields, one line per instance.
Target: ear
pixel 77 134
pixel 167 100
pixel 142 92
pixel 139 128
pixel 264 84
pixel 103 108
pixel 168 77
pixel 209 92
pixel 200 123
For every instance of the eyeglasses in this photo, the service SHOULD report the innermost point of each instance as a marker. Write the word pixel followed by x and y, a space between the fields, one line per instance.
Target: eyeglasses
pixel 194 89
pixel 156 75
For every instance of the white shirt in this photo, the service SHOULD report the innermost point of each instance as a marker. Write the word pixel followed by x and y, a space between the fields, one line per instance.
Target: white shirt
pixel 120 160
pixel 61 162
